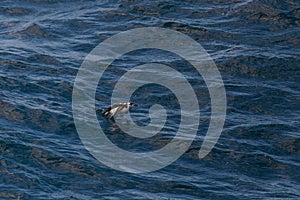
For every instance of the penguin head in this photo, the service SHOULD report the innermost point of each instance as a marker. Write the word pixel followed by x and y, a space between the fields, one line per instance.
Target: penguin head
pixel 132 105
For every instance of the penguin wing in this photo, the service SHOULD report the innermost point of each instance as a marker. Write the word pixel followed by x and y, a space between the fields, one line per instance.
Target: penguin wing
pixel 106 112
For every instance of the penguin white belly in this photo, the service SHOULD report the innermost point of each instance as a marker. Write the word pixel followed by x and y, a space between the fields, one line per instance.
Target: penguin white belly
pixel 116 111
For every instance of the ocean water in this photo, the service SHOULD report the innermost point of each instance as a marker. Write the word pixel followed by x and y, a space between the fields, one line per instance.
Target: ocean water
pixel 254 43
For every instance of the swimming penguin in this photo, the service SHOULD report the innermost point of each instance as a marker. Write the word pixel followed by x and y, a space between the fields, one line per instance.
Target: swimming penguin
pixel 118 108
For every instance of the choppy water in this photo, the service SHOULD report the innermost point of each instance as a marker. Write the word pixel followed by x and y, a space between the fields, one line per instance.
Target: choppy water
pixel 255 45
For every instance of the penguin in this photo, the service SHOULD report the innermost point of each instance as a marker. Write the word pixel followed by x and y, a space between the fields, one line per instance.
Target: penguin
pixel 118 108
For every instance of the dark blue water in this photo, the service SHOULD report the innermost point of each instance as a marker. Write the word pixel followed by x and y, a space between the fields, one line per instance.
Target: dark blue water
pixel 255 45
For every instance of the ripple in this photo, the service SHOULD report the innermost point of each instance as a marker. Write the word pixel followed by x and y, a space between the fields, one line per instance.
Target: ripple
pixel 35 30
pixel 15 11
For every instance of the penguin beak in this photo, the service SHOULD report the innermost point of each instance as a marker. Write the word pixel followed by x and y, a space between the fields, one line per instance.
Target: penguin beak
pixel 133 105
